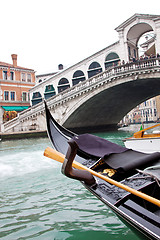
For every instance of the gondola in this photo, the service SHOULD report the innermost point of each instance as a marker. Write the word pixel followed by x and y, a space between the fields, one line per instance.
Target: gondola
pixel 127 181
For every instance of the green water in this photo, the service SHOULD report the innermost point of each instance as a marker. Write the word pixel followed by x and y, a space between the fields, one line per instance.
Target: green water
pixel 38 202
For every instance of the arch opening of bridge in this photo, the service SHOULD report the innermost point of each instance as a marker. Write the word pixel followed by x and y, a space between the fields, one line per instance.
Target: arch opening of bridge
pixel 134 35
pixel 104 110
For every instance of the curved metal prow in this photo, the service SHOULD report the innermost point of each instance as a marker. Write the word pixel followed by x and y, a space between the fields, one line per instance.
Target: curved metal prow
pixel 70 172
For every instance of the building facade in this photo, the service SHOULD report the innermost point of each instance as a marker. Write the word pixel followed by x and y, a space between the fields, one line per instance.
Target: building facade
pixel 146 112
pixel 15 83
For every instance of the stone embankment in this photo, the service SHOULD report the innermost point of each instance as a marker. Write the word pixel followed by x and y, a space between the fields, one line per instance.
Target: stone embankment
pixel 22 135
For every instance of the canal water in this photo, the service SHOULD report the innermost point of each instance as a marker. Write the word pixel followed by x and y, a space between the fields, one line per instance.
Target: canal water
pixel 38 202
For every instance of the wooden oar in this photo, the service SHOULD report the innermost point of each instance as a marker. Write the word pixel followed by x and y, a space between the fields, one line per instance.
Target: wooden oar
pixel 53 154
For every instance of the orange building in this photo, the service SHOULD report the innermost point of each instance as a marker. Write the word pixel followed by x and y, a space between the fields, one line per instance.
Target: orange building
pixel 15 83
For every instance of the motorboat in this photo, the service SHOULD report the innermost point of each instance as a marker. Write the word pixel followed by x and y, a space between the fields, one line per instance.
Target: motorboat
pixel 127 181
pixel 146 140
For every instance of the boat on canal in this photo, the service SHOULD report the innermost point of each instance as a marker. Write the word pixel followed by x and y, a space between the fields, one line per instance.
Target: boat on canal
pixel 127 181
pixel 146 140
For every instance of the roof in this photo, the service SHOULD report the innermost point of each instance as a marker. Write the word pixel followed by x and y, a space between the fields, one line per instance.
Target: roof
pixel 46 74
pixel 137 15
pixel 3 64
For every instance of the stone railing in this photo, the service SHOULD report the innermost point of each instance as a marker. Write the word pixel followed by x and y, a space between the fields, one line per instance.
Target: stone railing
pixel 107 76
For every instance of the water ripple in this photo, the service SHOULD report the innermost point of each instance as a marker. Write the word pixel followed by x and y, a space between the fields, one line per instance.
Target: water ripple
pixel 38 202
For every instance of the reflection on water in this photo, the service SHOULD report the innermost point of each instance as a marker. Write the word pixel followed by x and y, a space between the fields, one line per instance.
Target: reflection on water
pixel 38 202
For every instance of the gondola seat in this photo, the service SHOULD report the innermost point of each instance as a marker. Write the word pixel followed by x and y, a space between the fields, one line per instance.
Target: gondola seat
pixel 116 157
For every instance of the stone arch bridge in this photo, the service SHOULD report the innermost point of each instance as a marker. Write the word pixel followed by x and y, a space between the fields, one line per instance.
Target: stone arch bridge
pixel 97 103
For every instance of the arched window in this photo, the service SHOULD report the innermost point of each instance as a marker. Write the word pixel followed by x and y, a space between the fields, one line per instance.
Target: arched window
pixel 49 91
pixel 36 98
pixel 78 76
pixel 63 85
pixel 94 68
pixel 111 60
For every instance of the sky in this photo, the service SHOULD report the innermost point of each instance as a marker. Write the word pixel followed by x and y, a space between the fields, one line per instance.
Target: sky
pixel 47 33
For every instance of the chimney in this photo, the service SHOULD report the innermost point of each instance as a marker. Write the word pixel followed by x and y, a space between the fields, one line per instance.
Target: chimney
pixel 14 59
pixel 60 67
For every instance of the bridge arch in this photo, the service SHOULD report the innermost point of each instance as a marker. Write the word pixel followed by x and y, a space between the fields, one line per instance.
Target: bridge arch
pixel 94 68
pixel 49 91
pixel 111 60
pixel 36 98
pixel 78 76
pixel 63 84
pixel 96 110
pixel 133 36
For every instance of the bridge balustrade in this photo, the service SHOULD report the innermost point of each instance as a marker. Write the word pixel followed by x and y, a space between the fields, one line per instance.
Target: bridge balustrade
pixel 137 65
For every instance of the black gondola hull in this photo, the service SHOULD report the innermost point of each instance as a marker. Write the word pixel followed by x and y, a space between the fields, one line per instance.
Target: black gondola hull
pixel 129 208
